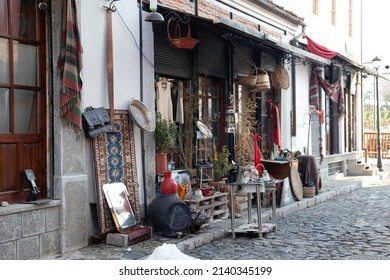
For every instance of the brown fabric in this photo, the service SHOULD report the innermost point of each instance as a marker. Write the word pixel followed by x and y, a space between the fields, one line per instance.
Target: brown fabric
pixel 307 167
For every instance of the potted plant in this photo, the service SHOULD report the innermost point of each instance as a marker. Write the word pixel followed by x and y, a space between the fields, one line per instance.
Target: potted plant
pixel 221 164
pixel 165 136
pixel 222 167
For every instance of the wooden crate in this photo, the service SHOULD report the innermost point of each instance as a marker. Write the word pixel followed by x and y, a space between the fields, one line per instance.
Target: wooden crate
pixel 215 206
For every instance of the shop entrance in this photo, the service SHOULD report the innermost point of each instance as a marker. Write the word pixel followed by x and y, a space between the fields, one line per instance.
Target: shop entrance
pixel 22 99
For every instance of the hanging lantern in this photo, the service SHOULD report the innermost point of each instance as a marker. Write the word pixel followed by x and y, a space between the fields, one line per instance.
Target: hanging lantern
pixel 229 120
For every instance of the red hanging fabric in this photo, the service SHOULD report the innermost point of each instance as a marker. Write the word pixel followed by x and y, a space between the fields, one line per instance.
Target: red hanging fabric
pixel 276 125
pixel 257 138
pixel 318 49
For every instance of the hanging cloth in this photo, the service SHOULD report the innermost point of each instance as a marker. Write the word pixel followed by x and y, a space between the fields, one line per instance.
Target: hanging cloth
pixel 333 91
pixel 256 139
pixel 179 105
pixel 314 98
pixel 164 99
pixel 70 66
pixel 318 49
pixel 275 125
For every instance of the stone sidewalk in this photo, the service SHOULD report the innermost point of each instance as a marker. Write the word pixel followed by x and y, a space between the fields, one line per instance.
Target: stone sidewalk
pixel 335 186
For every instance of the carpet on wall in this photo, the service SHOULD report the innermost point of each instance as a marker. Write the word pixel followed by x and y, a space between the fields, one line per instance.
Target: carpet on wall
pixel 114 161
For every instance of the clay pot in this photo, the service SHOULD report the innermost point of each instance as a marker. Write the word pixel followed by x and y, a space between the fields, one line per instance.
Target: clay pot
pixel 161 163
pixel 168 185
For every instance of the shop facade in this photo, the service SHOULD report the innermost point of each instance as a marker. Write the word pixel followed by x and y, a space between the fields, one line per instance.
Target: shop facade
pixel 235 38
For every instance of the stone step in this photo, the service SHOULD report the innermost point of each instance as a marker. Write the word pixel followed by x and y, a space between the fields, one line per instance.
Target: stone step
pixel 352 162
pixel 358 167
pixel 367 172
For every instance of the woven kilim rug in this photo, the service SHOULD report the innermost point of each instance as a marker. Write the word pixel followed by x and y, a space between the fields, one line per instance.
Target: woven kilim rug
pixel 114 160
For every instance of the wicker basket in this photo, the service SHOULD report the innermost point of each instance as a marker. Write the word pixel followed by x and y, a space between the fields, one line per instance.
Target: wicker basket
pixel 280 78
pixel 262 81
pixel 176 41
pixel 249 79
pixel 309 192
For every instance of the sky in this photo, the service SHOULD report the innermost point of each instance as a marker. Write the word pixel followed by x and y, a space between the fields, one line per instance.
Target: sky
pixel 376 35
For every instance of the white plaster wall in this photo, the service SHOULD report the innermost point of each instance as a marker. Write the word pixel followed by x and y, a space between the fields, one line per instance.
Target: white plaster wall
pixel 125 53
pixel 126 67
pixel 302 107
pixel 320 28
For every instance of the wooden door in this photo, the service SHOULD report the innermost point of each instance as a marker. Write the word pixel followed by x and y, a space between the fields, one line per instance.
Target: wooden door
pixel 22 98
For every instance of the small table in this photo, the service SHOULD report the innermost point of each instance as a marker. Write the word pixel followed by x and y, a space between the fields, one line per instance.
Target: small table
pixel 251 188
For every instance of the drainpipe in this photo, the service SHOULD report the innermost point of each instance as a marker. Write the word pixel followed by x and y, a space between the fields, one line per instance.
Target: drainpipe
pixel 230 137
pixel 141 69
pixel 51 121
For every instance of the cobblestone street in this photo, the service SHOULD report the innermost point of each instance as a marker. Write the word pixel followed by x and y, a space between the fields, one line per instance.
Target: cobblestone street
pixel 354 224
pixel 350 226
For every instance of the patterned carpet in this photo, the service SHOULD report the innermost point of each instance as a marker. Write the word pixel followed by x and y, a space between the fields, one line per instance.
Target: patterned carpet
pixel 114 160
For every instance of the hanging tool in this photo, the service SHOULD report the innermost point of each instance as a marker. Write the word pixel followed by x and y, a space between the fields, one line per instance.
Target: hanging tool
pixel 110 65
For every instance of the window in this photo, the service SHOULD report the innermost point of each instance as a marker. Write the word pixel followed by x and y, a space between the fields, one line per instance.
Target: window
pixel 210 94
pixel 350 19
pixel 334 12
pixel 316 8
pixel 22 99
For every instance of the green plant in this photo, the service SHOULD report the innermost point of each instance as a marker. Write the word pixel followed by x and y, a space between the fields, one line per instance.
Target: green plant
pixel 221 164
pixel 164 133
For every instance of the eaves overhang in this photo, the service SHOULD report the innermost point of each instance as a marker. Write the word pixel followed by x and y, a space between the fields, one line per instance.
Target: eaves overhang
pixel 269 41
pixel 372 72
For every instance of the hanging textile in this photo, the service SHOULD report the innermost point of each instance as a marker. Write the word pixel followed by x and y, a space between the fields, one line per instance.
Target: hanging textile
pixel 333 91
pixel 275 124
pixel 256 139
pixel 320 114
pixel 70 65
pixel 164 99
pixel 318 49
pixel 179 105
pixel 314 98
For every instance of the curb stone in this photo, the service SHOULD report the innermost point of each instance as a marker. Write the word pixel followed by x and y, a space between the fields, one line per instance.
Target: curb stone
pixel 326 195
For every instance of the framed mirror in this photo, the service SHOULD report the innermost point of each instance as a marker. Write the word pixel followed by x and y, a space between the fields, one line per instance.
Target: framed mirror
pixel 118 201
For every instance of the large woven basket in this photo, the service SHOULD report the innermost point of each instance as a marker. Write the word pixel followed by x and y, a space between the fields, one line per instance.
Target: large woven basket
pixel 249 79
pixel 262 81
pixel 280 78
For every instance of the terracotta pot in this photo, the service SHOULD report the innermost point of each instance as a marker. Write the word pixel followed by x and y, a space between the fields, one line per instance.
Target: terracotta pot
pixel 161 163
pixel 168 185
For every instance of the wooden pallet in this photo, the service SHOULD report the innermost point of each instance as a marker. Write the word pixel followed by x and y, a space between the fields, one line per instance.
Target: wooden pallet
pixel 215 206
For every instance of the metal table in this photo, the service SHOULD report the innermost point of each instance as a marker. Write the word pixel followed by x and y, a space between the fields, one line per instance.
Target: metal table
pixel 249 189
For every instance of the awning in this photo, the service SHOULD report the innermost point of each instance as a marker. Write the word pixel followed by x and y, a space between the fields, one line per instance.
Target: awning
pixel 372 72
pixel 317 49
pixel 264 38
pixel 302 53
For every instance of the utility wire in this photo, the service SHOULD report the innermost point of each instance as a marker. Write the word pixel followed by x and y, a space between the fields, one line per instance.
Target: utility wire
pixel 132 35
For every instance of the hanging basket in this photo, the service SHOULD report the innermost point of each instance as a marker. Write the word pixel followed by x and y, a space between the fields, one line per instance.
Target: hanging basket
pixel 249 79
pixel 178 42
pixel 280 78
pixel 262 81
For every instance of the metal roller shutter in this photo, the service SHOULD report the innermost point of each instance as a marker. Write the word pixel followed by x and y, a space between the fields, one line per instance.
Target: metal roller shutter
pixel 168 60
pixel 212 55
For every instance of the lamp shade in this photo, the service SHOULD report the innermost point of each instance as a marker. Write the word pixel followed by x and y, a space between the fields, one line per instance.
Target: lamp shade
pixel 376 62
pixel 154 17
